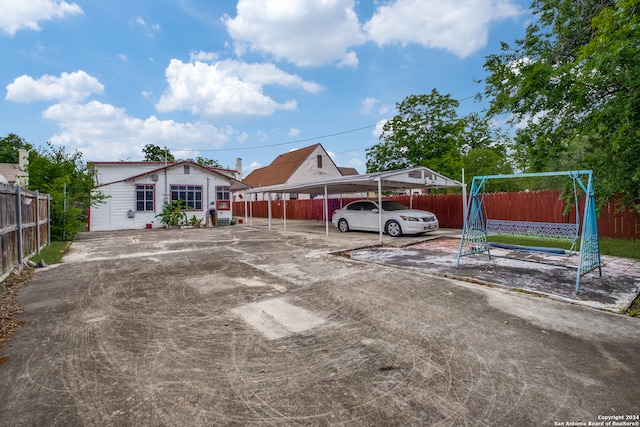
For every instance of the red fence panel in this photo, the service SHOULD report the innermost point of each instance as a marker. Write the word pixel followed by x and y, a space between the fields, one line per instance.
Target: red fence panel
pixel 538 206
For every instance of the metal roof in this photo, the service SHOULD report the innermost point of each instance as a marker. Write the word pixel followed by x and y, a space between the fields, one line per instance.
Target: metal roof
pixel 402 179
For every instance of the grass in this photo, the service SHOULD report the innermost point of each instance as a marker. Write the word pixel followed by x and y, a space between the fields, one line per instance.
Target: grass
pixel 613 247
pixel 51 254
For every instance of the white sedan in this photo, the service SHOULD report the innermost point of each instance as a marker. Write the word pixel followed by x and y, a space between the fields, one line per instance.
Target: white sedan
pixel 397 219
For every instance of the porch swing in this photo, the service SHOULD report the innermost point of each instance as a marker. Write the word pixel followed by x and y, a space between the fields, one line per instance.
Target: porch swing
pixel 477 226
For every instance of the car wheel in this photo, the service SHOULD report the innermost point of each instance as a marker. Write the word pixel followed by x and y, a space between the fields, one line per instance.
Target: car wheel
pixel 343 225
pixel 393 229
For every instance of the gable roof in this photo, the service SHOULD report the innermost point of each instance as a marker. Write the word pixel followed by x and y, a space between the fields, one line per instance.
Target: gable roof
pixel 11 172
pixel 348 171
pixel 281 169
pixel 235 185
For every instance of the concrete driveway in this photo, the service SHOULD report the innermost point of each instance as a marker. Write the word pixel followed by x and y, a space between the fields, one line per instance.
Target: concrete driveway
pixel 246 326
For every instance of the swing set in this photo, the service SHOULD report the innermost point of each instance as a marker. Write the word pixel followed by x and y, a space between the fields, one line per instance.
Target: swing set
pixel 477 225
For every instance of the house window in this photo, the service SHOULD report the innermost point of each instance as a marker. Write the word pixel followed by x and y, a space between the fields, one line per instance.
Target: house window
pixel 145 200
pixel 191 195
pixel 187 169
pixel 293 196
pixel 223 198
pixel 319 161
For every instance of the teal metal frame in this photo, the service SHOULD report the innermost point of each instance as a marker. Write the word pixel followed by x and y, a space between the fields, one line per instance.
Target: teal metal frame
pixel 474 233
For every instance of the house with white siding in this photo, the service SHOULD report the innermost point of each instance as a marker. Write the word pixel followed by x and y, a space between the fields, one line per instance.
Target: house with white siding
pixel 137 192
pixel 306 164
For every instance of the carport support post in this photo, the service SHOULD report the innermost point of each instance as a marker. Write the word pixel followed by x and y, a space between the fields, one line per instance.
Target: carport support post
pixel 269 208
pixel 284 209
pixel 326 210
pixel 380 208
pixel 464 199
pixel 246 219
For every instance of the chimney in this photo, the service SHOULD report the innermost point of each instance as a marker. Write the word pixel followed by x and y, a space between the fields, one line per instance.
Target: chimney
pixel 23 162
pixel 239 169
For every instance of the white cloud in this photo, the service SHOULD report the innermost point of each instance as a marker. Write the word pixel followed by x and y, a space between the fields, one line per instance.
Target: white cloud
pixel 377 131
pixel 304 32
pixel 356 163
pixel 293 132
pixel 368 104
pixel 149 30
pixel 242 137
pixel 246 170
pixel 227 88
pixel 22 14
pixel 123 57
pixel 68 87
pixel 459 26
pixel 104 132
pixel 203 56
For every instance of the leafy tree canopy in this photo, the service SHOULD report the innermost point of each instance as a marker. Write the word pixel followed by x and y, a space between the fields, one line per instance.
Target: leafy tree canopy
pixel 154 153
pixel 69 182
pixel 427 131
pixel 208 162
pixel 9 146
pixel 572 89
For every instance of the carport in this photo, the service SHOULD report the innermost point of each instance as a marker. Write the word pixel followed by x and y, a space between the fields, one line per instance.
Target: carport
pixel 418 177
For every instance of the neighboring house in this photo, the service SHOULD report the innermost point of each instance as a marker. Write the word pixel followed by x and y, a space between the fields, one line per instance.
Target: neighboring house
pixel 137 192
pixel 16 173
pixel 303 165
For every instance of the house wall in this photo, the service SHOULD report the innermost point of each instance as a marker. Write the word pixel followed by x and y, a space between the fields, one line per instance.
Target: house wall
pixel 308 172
pixel 114 213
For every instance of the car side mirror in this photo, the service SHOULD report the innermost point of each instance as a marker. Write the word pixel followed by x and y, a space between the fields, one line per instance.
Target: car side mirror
pixel 375 210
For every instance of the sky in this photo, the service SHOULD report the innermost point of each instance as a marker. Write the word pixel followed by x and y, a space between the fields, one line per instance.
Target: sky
pixel 247 79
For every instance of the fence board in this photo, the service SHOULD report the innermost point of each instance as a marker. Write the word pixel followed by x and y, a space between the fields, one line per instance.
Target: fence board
pixel 535 206
pixel 12 229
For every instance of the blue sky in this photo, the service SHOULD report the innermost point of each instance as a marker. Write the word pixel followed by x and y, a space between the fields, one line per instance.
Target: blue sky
pixel 226 79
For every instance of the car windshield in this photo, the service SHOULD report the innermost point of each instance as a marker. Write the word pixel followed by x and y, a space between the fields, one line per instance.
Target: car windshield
pixel 389 205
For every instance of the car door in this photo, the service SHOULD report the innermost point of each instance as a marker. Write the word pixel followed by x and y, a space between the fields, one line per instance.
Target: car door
pixel 353 215
pixel 370 219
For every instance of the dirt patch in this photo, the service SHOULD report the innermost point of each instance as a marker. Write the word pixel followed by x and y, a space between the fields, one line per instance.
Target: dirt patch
pixel 9 307
pixel 538 273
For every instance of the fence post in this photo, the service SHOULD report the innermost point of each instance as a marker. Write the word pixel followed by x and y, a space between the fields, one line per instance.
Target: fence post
pixel 48 219
pixel 37 195
pixel 19 217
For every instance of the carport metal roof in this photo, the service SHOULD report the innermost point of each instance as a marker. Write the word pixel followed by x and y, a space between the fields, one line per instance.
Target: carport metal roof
pixel 401 179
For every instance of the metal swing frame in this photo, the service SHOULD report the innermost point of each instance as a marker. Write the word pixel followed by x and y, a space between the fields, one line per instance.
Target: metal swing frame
pixel 474 233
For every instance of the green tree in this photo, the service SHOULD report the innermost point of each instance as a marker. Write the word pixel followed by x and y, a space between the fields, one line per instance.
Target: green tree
pixel 9 146
pixel 154 153
pixel 208 162
pixel 69 182
pixel 427 131
pixel 572 87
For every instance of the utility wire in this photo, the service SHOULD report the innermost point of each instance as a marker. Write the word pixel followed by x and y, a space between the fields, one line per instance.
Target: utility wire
pixel 280 143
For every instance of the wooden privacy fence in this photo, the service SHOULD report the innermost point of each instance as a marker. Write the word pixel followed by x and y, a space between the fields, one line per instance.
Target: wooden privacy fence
pixel 538 206
pixel 24 225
